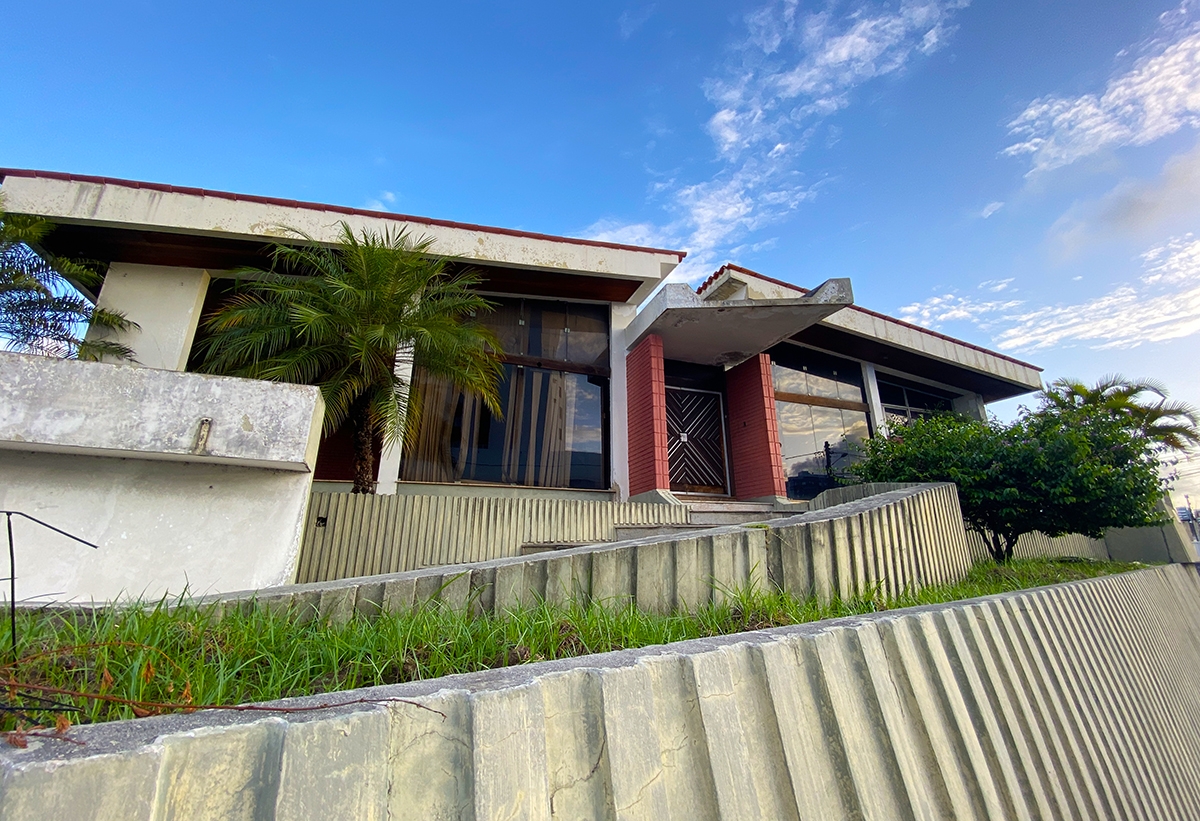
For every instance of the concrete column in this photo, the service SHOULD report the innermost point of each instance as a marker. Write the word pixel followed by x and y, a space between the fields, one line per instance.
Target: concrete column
pixel 971 405
pixel 874 406
pixel 647 414
pixel 388 472
pixel 164 302
pixel 620 316
pixel 754 450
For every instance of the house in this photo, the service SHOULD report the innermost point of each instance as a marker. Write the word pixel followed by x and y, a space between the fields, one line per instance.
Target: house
pixel 615 387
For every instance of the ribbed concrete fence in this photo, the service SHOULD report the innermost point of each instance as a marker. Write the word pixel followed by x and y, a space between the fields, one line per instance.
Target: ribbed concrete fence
pixel 1078 701
pixel 350 534
pixel 888 542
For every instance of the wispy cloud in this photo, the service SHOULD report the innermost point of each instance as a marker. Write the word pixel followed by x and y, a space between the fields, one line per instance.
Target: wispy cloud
pixel 383 202
pixel 631 20
pixel 790 70
pixel 990 208
pixel 1161 305
pixel 1156 96
pixel 996 285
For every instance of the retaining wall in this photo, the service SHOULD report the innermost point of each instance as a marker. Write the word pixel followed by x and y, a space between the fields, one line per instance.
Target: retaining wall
pixel 1075 701
pixel 351 534
pixel 1167 543
pixel 889 541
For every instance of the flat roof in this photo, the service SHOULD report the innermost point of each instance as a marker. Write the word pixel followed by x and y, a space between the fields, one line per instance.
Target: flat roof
pixel 116 220
pixel 315 206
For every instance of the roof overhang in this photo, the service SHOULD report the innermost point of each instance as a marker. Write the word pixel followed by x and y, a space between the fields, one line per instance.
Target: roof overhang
pixel 890 343
pixel 121 220
pixel 728 332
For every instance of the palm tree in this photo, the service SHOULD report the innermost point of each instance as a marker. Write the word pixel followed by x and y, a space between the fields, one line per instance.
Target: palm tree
pixel 41 311
pixel 344 319
pixel 1173 425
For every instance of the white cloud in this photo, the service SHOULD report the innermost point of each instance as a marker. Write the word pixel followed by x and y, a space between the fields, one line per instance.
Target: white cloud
pixel 933 312
pixel 790 70
pixel 990 208
pixel 1163 304
pixel 383 202
pixel 996 285
pixel 1158 95
pixel 630 21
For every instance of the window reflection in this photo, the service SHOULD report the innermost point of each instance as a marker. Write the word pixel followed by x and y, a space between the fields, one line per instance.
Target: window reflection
pixel 819 437
pixel 561 331
pixel 551 433
pixel 903 401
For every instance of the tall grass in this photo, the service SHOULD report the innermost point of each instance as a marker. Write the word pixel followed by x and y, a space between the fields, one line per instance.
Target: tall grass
pixel 138 661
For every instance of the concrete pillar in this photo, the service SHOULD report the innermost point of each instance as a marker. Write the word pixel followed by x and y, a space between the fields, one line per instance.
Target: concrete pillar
pixel 874 406
pixel 754 450
pixel 620 316
pixel 647 414
pixel 387 474
pixel 971 405
pixel 164 302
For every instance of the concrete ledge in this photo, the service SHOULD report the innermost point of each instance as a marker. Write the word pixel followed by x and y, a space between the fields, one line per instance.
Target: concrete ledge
pixel 53 405
pixel 1070 701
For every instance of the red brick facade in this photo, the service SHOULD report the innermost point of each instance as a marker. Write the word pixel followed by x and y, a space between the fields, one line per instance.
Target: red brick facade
pixel 647 402
pixel 754 452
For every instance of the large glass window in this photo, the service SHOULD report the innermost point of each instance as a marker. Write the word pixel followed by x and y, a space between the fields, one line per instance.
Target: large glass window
pixel 904 400
pixel 553 431
pixel 822 415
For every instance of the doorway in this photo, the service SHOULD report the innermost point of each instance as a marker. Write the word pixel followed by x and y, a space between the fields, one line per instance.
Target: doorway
pixel 696 448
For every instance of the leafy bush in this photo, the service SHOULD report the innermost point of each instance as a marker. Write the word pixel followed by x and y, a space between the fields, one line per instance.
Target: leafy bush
pixel 1056 470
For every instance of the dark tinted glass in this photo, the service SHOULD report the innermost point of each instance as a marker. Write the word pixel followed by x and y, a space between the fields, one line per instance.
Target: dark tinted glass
pixel 553 432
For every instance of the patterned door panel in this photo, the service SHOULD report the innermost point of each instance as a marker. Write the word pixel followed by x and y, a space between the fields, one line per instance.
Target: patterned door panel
pixel 696 441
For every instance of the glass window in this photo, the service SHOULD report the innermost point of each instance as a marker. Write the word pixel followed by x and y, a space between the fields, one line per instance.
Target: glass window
pixel 904 400
pixel 805 429
pixel 552 432
pixel 559 331
pixel 806 372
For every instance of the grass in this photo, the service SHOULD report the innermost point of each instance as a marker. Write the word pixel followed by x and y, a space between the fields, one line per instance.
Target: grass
pixel 136 662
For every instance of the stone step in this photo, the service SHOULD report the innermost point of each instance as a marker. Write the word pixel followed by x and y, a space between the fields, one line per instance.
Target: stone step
pixel 732 515
pixel 545 547
pixel 640 531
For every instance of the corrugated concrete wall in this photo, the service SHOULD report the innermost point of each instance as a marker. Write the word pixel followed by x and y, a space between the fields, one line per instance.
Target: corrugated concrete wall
pixel 1169 543
pixel 891 541
pixel 350 534
pixel 1041 546
pixel 1076 701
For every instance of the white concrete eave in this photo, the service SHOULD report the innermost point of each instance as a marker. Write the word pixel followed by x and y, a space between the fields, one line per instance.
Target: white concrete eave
pixel 728 332
pixel 132 205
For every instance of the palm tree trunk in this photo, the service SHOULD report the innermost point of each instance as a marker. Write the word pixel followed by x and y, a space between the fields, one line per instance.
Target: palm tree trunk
pixel 364 448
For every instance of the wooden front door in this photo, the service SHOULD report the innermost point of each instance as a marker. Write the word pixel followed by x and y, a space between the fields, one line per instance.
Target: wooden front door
pixel 696 441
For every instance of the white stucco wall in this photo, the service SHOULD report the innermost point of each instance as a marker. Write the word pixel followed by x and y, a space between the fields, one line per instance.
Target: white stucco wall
pixel 187 482
pixel 162 527
pixel 164 302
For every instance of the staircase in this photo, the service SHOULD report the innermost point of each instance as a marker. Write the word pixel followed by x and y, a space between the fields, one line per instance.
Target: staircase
pixel 706 512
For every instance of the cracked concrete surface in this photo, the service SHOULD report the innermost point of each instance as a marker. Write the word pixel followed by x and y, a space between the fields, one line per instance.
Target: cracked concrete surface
pixel 1075 701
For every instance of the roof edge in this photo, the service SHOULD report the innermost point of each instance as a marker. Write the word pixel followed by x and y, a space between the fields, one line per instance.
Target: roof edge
pixel 316 206
pixel 729 266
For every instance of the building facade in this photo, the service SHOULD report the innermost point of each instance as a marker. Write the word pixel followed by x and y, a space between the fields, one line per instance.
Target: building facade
pixel 615 386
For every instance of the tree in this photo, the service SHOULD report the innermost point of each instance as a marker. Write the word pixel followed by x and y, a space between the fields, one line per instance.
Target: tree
pixel 339 318
pixel 1171 425
pixel 41 311
pixel 1057 471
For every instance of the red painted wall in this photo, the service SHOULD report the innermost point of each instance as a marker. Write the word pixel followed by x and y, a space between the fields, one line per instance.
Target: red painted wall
pixel 754 430
pixel 647 398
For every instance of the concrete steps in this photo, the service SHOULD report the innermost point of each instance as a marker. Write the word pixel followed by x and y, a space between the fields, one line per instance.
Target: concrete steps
pixel 704 512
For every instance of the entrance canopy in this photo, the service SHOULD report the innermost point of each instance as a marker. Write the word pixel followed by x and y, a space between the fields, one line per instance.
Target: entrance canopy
pixel 728 332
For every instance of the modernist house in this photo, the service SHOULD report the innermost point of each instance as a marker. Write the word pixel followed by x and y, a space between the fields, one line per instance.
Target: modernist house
pixel 615 386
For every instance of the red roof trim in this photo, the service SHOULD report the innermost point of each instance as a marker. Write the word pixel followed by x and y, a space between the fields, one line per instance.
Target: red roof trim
pixel 731 267
pixel 313 206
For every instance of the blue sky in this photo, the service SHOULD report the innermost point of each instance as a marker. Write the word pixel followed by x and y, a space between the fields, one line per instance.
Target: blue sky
pixel 1024 175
